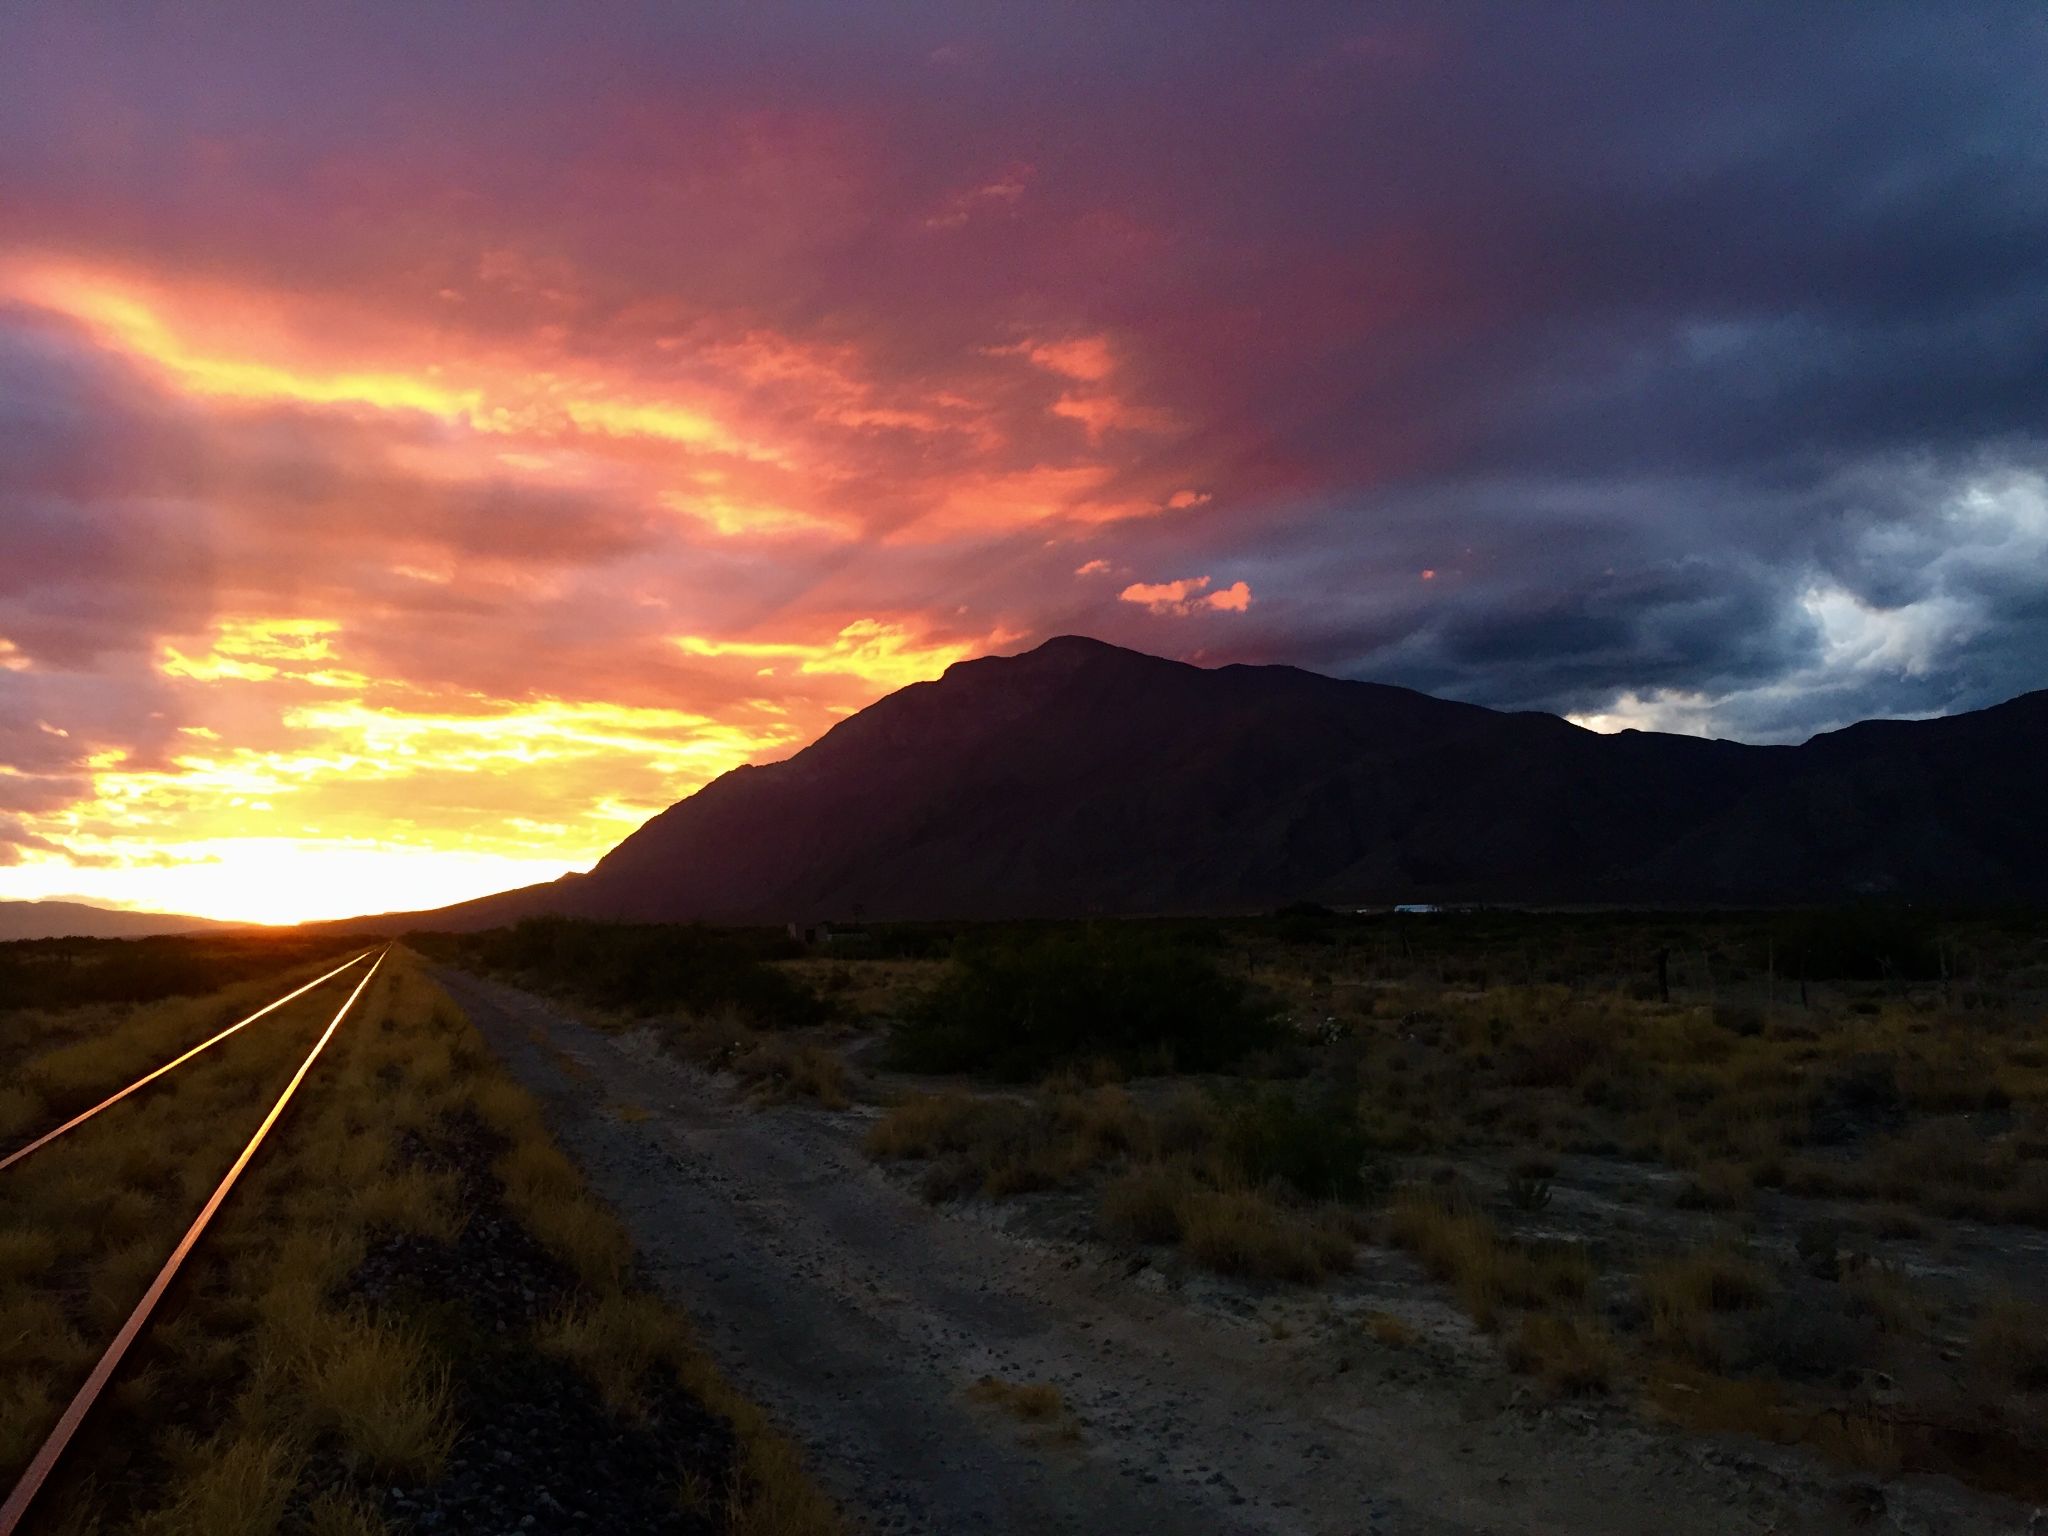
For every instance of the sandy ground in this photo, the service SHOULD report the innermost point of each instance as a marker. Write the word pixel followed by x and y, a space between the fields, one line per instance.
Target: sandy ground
pixel 859 1316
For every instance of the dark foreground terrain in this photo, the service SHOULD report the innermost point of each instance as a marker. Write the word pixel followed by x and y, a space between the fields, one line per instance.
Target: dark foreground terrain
pixel 1317 1223
pixel 410 1316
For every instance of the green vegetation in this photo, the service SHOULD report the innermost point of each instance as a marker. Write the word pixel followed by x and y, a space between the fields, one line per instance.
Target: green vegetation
pixel 1017 1006
pixel 1787 1123
pixel 1728 1167
pixel 75 973
pixel 646 968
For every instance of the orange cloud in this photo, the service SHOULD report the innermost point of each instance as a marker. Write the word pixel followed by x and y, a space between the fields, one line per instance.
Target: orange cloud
pixel 1187 595
pixel 428 591
pixel 1085 359
pixel 888 655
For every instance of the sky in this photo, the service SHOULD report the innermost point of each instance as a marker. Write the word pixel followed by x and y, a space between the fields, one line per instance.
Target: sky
pixel 435 438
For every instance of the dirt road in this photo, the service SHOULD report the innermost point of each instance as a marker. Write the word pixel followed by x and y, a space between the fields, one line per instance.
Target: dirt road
pixel 859 1316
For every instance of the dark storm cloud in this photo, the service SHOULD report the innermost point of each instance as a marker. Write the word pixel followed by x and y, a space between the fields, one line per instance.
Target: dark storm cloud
pixel 1681 344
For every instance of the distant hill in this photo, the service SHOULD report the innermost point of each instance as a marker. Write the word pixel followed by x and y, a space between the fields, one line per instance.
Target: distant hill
pixel 77 920
pixel 1082 778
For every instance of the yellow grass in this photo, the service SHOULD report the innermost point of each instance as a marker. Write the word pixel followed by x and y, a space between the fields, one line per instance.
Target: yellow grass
pixel 378 1388
pixel 1033 1402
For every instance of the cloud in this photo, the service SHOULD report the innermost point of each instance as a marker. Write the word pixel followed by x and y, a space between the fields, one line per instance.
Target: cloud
pixel 1187 595
pixel 1696 357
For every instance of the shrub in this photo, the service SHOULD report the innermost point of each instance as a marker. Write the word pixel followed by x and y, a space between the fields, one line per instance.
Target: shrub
pixel 1572 1355
pixel 1033 1402
pixel 1318 1151
pixel 646 967
pixel 1000 1146
pixel 2010 1343
pixel 1858 944
pixel 1684 1295
pixel 1020 1006
pixel 1242 1232
pixel 1144 1203
pixel 1459 1245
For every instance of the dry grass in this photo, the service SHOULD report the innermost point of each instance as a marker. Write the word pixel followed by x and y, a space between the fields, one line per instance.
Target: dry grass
pixel 999 1146
pixel 1390 1330
pixel 1685 1294
pixel 256 1330
pixel 1569 1352
pixel 1033 1402
pixel 333 1514
pixel 2009 1344
pixel 21 1113
pixel 411 1200
pixel 775 1069
pixel 25 1254
pixel 1145 1203
pixel 238 1485
pixel 1232 1230
pixel 1247 1233
pixel 381 1391
pixel 1463 1248
pixel 617 1336
pixel 618 1341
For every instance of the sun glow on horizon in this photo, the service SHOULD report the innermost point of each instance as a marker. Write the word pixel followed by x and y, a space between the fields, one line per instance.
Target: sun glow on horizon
pixel 461 591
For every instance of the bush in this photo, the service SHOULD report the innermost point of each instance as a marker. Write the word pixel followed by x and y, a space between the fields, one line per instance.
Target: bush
pixel 1240 1232
pixel 1570 1353
pixel 1318 1151
pixel 1858 944
pixel 645 967
pixel 1023 1005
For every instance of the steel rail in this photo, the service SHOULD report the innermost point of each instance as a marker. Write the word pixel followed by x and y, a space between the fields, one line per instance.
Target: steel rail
pixel 38 1470
pixel 144 1081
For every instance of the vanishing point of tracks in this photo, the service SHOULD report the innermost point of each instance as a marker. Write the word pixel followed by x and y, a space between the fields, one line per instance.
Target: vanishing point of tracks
pixel 53 1446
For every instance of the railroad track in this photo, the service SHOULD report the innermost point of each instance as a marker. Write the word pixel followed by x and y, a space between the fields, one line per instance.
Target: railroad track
pixel 31 1481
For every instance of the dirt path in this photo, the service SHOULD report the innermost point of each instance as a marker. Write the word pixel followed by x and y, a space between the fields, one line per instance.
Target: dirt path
pixel 859 1316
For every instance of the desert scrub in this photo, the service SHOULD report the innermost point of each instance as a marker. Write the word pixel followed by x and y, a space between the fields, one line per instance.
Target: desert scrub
pixel 1020 1006
pixel 1461 1246
pixel 1569 1352
pixel 2009 1344
pixel 1316 1149
pixel 1004 1146
pixel 1232 1230
pixel 775 1069
pixel 1247 1233
pixel 1684 1295
pixel 647 968
pixel 1033 1402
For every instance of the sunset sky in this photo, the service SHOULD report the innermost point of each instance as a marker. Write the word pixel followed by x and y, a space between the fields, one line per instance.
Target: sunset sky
pixel 433 438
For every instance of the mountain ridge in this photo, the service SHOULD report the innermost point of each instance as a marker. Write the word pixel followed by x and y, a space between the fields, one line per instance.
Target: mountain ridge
pixel 1080 777
pixel 82 920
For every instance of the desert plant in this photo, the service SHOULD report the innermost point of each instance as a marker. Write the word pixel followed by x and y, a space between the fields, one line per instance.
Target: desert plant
pixel 1018 1007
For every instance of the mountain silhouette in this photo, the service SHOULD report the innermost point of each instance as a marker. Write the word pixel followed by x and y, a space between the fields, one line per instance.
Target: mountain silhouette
pixel 1082 778
pixel 81 920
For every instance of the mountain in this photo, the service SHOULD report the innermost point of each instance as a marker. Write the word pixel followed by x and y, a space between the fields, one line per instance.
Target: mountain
pixel 1082 778
pixel 77 920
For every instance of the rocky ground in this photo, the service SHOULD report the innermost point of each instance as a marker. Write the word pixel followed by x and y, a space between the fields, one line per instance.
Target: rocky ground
pixel 537 1447
pixel 864 1318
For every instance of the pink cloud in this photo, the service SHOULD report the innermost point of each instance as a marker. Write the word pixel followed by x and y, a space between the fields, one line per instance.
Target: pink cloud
pixel 1186 595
